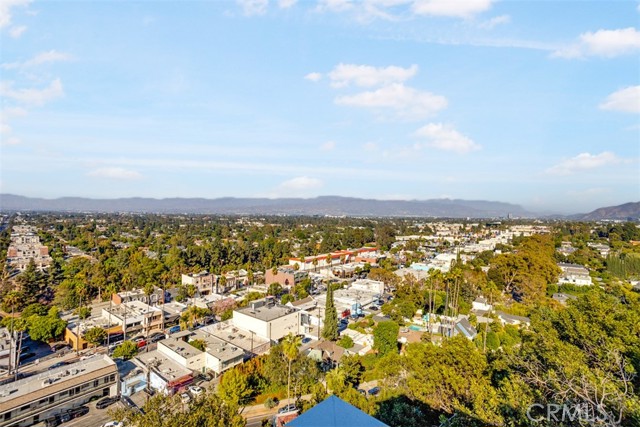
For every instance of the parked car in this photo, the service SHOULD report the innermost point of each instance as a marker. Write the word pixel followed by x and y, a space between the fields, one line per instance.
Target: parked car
pixel 174 329
pixel 374 391
pixel 141 342
pixel 106 401
pixel 185 398
pixel 289 408
pixel 361 391
pixel 25 356
pixel 126 400
pixel 113 424
pixel 306 340
pixel 157 337
pixel 59 364
pixel 195 390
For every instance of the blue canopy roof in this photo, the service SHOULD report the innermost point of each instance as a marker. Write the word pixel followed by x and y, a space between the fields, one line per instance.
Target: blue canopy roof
pixel 335 412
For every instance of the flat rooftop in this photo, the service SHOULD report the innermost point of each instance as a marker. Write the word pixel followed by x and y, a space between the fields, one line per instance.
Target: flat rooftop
pixel 219 348
pixel 266 313
pixel 162 365
pixel 132 309
pixel 180 347
pixel 58 378
pixel 241 338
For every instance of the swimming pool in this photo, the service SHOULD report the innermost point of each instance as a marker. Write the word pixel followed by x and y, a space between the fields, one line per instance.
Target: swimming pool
pixel 416 328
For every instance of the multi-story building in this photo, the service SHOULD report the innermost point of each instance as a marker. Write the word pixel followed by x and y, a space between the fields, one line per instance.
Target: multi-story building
pixel 34 399
pixel 574 274
pixel 204 282
pixel 25 246
pixel 268 319
pixel 134 317
pixel 285 275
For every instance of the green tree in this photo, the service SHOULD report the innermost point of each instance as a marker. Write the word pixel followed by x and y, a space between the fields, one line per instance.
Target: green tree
pixel 46 328
pixel 199 344
pixel 290 349
pixel 234 387
pixel 330 330
pixel 95 336
pixel 126 350
pixel 385 337
pixel 345 341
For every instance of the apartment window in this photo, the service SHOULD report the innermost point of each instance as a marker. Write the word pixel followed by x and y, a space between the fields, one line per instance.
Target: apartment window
pixel 26 407
pixel 95 383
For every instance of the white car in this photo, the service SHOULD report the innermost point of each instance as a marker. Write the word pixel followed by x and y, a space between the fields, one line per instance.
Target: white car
pixel 113 424
pixel 185 398
pixel 196 390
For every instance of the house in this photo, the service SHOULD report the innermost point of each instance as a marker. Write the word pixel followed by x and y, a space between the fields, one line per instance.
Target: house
pixel 165 375
pixel 481 305
pixel 510 319
pixel 335 412
pixel 465 328
pixel 574 274
pixel 49 393
pixel 563 298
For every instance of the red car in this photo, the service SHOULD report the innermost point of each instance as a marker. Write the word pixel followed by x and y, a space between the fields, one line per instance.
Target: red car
pixel 141 343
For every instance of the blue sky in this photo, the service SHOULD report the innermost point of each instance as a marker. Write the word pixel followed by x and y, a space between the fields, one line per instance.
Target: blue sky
pixel 535 103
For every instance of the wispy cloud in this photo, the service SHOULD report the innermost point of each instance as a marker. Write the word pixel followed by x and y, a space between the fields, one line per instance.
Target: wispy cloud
pixel 584 162
pixel 301 186
pixel 253 7
pixel 5 10
pixel 626 100
pixel 445 137
pixel 407 102
pixel 328 146
pixel 16 32
pixel 449 8
pixel 115 173
pixel 494 22
pixel 314 77
pixel 39 59
pixel 36 97
pixel 603 43
pixel 367 76
pixel 286 4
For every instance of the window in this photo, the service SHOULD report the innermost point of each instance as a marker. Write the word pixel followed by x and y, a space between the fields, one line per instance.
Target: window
pixel 26 407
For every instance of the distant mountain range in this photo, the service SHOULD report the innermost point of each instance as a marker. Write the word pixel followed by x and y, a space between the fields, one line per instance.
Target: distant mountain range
pixel 624 212
pixel 325 205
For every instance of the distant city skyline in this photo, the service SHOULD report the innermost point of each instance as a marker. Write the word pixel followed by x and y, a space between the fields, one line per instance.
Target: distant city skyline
pixel 532 103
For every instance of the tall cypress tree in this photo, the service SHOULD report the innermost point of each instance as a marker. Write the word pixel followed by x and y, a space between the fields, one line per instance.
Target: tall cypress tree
pixel 330 331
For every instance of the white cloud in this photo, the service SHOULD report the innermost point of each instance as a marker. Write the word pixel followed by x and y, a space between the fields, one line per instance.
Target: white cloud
pixel 314 77
pixel 370 146
pixel 115 173
pixel 16 32
pixel 328 146
pixel 445 137
pixel 41 58
pixel 36 97
pixel 626 100
pixel 253 7
pixel 451 8
pixel 495 21
pixel 334 5
pixel 5 10
pixel 286 4
pixel 407 102
pixel 365 75
pixel 12 140
pixel 584 162
pixel 301 186
pixel 603 43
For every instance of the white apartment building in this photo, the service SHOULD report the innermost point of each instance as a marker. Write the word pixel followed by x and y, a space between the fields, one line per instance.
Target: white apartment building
pixel 268 320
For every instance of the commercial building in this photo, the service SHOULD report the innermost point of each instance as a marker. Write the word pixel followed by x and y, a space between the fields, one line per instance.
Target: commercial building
pixel 34 399
pixel 134 317
pixel 285 275
pixel 267 319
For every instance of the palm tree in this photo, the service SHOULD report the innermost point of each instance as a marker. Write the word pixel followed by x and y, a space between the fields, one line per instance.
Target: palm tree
pixel 290 345
pixel 13 299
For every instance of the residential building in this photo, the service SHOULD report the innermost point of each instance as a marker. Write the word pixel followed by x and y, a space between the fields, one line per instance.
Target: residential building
pixel 368 285
pixel 247 340
pixel 25 246
pixel 204 282
pixel 330 259
pixel 135 317
pixel 574 274
pixel 156 297
pixel 164 374
pixel 34 399
pixel 335 412
pixel 267 319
